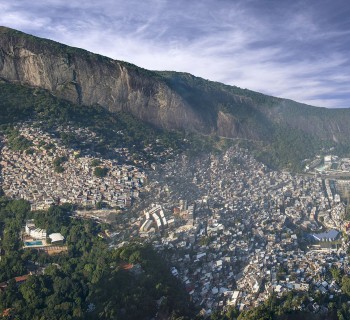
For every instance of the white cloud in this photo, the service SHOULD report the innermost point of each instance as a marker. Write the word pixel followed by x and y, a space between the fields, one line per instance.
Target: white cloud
pixel 21 21
pixel 286 53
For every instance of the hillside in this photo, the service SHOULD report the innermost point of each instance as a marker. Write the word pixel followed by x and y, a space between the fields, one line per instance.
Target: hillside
pixel 169 100
pixel 116 130
pixel 283 131
pixel 198 224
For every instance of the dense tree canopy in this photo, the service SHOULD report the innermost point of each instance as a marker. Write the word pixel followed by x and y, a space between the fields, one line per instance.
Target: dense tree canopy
pixel 89 273
pixel 100 172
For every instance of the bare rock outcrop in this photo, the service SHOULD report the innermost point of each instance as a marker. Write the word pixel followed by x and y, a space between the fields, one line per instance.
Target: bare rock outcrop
pixel 168 100
pixel 84 78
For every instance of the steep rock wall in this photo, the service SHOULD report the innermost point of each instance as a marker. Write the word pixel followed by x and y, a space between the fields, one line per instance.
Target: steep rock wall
pixel 89 79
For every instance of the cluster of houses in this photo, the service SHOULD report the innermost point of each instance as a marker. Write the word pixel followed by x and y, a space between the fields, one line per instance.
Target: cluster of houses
pixel 88 140
pixel 242 238
pixel 32 175
pixel 329 164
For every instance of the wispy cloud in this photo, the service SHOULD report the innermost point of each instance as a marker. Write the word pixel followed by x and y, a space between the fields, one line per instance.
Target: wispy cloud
pixel 288 49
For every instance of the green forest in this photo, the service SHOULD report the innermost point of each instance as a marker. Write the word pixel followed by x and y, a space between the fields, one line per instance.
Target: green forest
pixel 87 282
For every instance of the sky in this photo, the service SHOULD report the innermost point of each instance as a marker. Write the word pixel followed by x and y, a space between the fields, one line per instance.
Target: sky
pixel 291 49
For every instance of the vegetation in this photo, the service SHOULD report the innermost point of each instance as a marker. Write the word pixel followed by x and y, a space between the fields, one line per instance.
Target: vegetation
pixel 59 169
pixel 279 145
pixel 282 132
pixel 12 214
pixel 148 284
pixel 92 282
pixel 117 130
pixel 204 241
pixel 57 164
pixel 100 172
pixel 283 308
pixel 286 132
pixel 16 141
pixel 78 279
pixel 288 149
pixel 95 163
pixel 59 161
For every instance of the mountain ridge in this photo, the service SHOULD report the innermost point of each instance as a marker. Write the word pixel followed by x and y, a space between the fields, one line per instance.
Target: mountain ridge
pixel 167 99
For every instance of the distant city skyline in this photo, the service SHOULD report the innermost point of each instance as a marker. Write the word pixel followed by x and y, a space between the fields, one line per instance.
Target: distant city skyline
pixel 297 50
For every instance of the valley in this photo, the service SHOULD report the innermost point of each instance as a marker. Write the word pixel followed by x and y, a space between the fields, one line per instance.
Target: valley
pixel 233 231
pixel 171 196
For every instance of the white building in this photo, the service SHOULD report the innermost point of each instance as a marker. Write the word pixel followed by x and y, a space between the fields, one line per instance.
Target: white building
pixel 56 237
pixel 33 231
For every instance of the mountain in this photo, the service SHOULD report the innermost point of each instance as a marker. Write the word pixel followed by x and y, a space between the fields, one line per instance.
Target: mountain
pixel 85 78
pixel 168 100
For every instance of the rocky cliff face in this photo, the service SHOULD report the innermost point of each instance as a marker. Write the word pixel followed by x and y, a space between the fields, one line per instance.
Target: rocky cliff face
pixel 168 100
pixel 89 79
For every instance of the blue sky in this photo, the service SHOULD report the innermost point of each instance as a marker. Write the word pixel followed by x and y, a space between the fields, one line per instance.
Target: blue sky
pixel 291 49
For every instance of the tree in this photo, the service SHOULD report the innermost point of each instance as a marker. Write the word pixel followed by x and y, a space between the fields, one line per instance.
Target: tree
pixel 100 172
pixel 95 163
pixel 53 219
pixel 57 163
pixel 19 208
pixel 58 169
pixel 346 285
pixel 336 274
pixel 340 315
